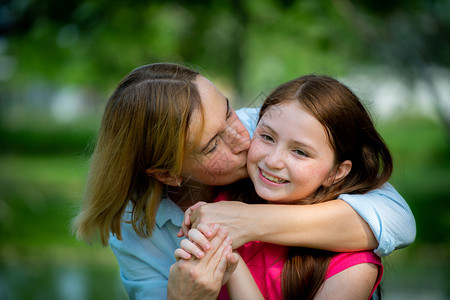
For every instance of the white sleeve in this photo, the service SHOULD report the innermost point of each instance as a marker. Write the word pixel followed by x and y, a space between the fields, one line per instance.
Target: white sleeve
pixel 249 117
pixel 388 215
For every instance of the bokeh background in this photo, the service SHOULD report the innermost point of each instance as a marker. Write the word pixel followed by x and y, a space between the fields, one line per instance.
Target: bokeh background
pixel 60 60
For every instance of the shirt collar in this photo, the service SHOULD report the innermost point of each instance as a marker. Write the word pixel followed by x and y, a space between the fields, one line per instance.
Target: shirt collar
pixel 168 210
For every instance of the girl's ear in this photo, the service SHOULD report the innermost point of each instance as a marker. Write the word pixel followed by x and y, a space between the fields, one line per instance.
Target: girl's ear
pixel 342 171
pixel 164 177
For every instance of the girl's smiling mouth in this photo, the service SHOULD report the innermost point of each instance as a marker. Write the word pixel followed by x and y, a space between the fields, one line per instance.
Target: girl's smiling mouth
pixel 271 178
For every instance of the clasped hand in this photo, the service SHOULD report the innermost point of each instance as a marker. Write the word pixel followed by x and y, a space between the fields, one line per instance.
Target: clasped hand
pixel 232 216
pixel 205 262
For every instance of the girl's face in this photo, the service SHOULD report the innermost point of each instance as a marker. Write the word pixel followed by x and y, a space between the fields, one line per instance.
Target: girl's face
pixel 222 155
pixel 290 155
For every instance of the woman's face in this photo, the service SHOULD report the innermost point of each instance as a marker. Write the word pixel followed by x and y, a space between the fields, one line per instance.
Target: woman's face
pixel 222 153
pixel 290 155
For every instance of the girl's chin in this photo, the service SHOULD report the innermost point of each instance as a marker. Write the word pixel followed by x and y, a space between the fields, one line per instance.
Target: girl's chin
pixel 272 198
pixel 269 198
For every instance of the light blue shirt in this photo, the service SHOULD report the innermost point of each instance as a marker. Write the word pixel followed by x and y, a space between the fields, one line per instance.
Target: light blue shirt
pixel 145 262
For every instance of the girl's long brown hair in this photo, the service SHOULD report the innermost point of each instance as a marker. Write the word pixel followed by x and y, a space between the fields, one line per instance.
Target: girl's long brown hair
pixel 353 137
pixel 144 126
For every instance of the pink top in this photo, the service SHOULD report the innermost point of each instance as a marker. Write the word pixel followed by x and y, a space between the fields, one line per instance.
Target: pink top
pixel 265 262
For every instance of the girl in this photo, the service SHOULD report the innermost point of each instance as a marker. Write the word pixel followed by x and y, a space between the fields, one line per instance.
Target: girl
pixel 314 141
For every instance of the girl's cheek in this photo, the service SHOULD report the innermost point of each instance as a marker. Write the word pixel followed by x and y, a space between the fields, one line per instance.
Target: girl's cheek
pixel 255 152
pixel 253 147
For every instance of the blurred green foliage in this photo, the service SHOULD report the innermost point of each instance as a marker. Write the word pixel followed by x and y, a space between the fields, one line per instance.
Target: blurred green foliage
pixel 250 44
pixel 247 48
pixel 421 174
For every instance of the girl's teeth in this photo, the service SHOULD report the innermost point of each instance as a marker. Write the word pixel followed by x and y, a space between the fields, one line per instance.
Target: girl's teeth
pixel 271 178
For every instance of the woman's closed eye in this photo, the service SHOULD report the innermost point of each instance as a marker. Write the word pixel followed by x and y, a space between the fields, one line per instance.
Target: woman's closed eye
pixel 229 113
pixel 213 147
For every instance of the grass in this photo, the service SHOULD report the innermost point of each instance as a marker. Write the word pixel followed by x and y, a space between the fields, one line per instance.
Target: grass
pixel 38 198
pixel 39 195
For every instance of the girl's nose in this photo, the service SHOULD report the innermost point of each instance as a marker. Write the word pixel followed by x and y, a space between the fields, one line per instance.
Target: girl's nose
pixel 274 159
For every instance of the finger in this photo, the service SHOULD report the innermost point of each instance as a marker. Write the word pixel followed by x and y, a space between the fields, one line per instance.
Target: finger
pixel 232 261
pixel 225 248
pixel 188 212
pixel 194 219
pixel 197 237
pixel 185 229
pixel 213 257
pixel 181 254
pixel 223 262
pixel 187 217
pixel 218 243
pixel 197 205
pixel 191 248
pixel 180 233
pixel 186 224
pixel 205 229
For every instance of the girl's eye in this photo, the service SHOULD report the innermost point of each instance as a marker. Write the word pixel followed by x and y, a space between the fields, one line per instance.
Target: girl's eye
pixel 300 152
pixel 267 137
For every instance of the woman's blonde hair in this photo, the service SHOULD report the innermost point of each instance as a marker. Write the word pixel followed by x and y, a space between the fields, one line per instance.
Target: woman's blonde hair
pixel 145 126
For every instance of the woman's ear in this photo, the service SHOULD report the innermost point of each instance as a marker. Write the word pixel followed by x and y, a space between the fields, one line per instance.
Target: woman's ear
pixel 164 177
pixel 344 168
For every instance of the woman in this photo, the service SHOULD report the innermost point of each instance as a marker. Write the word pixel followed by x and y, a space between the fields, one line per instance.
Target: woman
pixel 167 137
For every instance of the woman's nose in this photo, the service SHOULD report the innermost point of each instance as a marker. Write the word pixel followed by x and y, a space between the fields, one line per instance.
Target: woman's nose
pixel 237 138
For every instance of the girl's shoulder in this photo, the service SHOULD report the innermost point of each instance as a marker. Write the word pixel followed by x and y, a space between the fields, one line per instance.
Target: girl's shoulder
pixel 342 261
